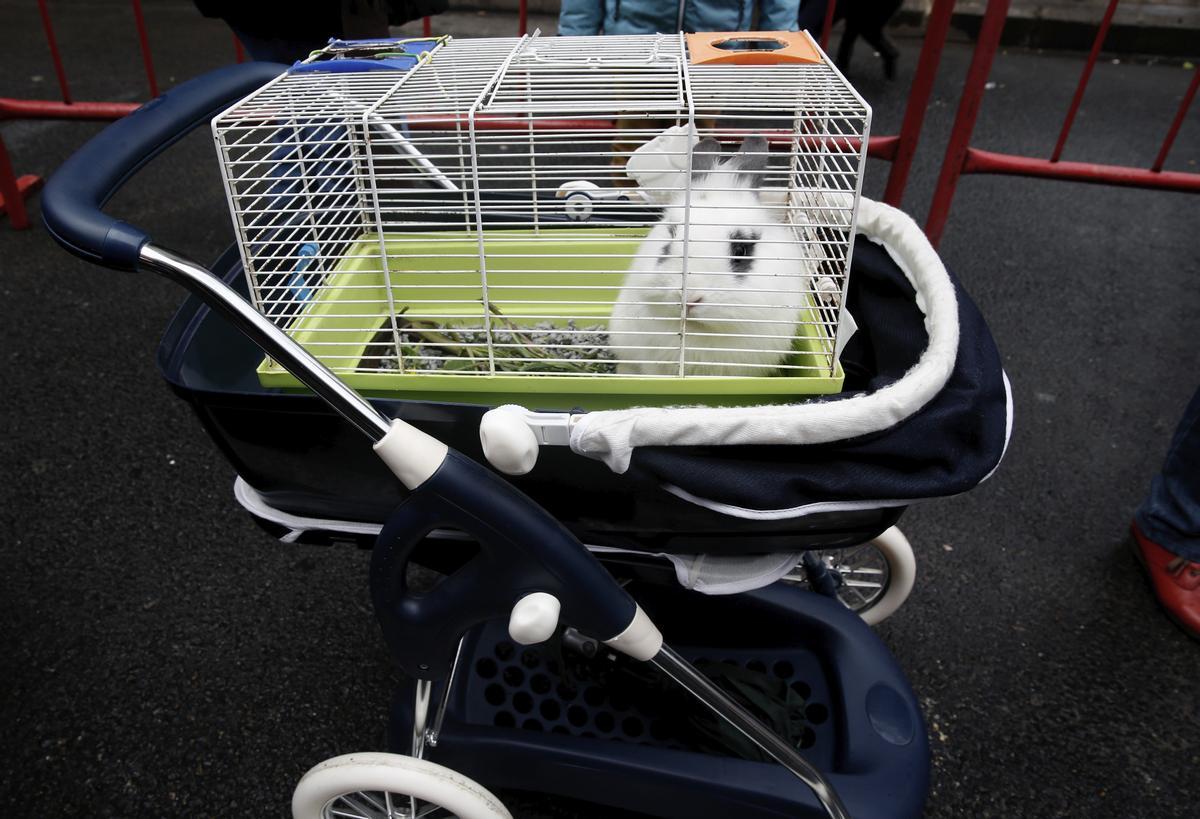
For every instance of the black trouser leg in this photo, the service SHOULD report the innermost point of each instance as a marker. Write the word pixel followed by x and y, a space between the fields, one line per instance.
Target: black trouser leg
pixel 886 48
pixel 846 46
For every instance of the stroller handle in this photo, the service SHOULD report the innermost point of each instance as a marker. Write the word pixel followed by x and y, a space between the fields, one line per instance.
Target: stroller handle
pixel 74 196
pixel 548 555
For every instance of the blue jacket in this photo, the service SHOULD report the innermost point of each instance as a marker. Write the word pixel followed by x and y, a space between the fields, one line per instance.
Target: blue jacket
pixel 661 16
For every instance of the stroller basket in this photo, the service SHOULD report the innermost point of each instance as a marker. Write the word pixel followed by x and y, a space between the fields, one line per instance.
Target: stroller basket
pixel 551 722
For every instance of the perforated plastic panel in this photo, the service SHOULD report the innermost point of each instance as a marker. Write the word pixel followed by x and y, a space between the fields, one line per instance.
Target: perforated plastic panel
pixel 528 689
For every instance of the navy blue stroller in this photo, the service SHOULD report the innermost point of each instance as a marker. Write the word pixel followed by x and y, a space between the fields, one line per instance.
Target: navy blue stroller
pixel 660 626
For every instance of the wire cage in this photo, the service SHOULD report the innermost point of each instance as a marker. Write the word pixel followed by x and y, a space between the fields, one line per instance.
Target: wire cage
pixel 604 221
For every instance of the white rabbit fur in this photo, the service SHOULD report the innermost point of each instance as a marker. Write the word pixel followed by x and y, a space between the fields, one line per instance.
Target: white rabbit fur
pixel 745 284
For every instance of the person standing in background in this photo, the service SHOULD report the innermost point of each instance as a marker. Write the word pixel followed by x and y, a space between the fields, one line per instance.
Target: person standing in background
pixel 864 18
pixel 592 17
pixel 1166 527
pixel 283 31
pixel 586 17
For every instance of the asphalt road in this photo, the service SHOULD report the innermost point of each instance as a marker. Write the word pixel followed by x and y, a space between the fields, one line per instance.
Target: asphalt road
pixel 161 656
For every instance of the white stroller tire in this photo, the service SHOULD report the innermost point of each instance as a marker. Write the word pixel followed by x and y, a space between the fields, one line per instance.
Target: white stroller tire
pixel 356 784
pixel 877 576
pixel 902 575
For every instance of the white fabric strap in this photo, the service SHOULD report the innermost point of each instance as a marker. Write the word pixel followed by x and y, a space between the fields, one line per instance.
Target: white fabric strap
pixel 612 435
pixel 707 574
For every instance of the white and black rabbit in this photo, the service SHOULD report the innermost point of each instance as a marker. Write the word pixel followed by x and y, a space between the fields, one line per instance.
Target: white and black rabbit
pixel 746 277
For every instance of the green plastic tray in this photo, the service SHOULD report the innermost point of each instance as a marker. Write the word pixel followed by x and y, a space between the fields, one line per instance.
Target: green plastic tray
pixel 436 274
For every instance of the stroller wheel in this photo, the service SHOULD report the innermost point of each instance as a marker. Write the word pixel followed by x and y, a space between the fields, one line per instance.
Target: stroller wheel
pixel 579 207
pixel 876 577
pixel 390 786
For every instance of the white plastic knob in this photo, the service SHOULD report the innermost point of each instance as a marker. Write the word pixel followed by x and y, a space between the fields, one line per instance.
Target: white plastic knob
pixel 508 442
pixel 534 618
pixel 827 290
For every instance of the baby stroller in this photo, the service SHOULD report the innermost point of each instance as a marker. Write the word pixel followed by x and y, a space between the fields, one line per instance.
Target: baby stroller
pixel 526 652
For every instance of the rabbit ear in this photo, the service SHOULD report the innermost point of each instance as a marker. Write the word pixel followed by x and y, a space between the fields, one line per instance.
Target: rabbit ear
pixel 749 162
pixel 705 155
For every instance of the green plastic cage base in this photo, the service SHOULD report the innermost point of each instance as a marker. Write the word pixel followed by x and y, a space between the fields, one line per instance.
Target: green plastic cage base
pixel 436 274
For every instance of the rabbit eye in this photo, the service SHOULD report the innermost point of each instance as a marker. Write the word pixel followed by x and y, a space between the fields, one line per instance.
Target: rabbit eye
pixel 741 251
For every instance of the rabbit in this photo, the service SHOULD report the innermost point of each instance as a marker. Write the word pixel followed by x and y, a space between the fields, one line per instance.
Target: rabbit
pixel 746 279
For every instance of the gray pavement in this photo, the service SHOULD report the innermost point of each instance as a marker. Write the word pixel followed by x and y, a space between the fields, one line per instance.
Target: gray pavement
pixel 163 657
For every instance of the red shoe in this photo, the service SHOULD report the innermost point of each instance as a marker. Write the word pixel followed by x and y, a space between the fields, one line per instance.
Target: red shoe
pixel 1176 581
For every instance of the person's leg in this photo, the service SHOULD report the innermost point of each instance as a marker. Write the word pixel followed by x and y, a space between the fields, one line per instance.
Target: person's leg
pixel 278 49
pixel 846 46
pixel 1166 527
pixel 812 16
pixel 1170 514
pixel 868 18
pixel 887 50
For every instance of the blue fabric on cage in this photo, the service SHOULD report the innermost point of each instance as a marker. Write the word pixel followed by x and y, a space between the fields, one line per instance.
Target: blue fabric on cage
pixel 405 54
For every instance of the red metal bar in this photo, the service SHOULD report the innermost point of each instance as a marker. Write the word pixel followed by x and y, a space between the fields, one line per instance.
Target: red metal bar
pixel 50 109
pixel 522 18
pixel 978 161
pixel 239 53
pixel 55 55
pixel 884 147
pixel 1084 78
pixel 18 216
pixel 827 24
pixel 879 147
pixel 918 99
pixel 1188 96
pixel 13 191
pixel 964 120
pixel 493 122
pixel 144 40
pixel 426 26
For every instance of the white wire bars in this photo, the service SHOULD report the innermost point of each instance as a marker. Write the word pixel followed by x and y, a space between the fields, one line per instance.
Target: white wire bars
pixel 597 207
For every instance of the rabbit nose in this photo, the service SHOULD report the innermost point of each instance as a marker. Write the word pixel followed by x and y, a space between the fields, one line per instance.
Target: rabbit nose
pixel 691 305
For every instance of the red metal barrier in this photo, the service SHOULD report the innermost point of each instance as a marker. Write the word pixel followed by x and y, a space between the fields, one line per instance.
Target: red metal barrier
pixel 936 28
pixel 827 23
pixel 898 149
pixel 14 190
pixel 1173 131
pixel 1084 79
pixel 961 158
pixel 52 42
pixel 144 41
